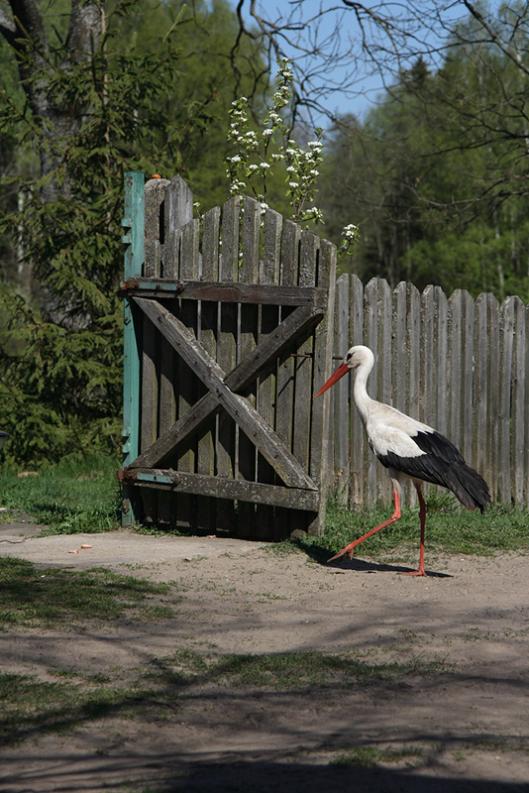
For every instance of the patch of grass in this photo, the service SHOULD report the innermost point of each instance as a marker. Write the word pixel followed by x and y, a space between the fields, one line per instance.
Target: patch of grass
pixel 293 670
pixel 28 704
pixel 283 548
pixel 449 528
pixel 32 596
pixel 78 494
pixel 371 756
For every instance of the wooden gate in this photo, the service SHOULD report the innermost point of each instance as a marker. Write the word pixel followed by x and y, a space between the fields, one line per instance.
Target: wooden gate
pixel 228 333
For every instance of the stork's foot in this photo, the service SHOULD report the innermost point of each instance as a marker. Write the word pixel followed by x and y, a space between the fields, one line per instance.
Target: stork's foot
pixel 347 551
pixel 414 572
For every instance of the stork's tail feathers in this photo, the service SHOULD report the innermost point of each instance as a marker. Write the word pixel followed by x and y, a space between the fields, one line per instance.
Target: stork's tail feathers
pixel 468 486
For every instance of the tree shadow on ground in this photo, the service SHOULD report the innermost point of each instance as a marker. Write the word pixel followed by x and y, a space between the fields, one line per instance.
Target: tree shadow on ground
pixel 289 777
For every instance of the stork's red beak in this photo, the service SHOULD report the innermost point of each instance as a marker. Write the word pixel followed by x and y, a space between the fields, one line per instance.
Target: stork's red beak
pixel 337 375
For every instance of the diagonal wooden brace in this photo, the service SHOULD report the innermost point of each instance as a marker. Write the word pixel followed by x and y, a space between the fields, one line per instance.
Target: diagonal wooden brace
pixel 220 390
pixel 292 328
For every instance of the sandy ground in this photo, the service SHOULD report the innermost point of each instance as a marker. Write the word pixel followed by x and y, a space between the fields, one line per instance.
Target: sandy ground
pixel 463 725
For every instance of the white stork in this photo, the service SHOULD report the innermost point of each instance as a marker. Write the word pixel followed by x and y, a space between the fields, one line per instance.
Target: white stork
pixel 407 448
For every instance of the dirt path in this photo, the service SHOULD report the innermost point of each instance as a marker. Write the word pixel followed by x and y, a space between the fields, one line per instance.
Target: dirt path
pixel 455 719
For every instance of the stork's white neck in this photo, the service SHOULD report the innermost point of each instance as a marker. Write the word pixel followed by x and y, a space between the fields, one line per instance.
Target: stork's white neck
pixel 361 397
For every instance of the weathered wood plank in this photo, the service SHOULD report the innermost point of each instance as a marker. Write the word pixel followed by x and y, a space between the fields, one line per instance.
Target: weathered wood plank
pixel 413 322
pixel 320 444
pixel 285 374
pixel 467 376
pixel 188 387
pixel 441 360
pixel 206 507
pixel 246 342
pixel 427 393
pixel 177 211
pixel 284 416
pixel 384 306
pixel 289 498
pixel 519 398
pixel 309 248
pixel 495 385
pixel 154 198
pixel 371 327
pixel 481 397
pixel 168 363
pixel 226 449
pixel 340 395
pixel 454 385
pixel 357 439
pixel 185 343
pixel 265 294
pixel 400 359
pixel 178 205
pixel 268 319
pixel 504 412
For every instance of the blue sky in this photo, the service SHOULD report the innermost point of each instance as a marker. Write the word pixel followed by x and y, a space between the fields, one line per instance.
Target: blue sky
pixel 366 84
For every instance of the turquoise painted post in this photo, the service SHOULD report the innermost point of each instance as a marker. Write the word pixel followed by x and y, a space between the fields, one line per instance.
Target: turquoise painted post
pixel 133 238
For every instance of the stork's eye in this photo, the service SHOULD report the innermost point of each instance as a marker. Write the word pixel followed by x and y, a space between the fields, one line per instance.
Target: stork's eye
pixel 348 356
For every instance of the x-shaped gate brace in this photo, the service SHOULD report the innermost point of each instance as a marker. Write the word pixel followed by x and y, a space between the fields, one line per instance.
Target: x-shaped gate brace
pixel 299 491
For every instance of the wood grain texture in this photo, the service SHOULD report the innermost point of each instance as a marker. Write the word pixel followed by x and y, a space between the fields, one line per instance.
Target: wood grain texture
pixel 340 396
pixel 320 428
pixel 268 320
pixel 208 326
pixel 232 489
pixel 226 447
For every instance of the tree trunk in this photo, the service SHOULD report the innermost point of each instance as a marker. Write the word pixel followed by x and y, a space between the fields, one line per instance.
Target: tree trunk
pixel 25 32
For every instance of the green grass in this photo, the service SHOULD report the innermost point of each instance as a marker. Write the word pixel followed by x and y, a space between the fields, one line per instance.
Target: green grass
pixel 371 756
pixel 81 494
pixel 449 529
pixel 293 670
pixel 78 494
pixel 29 705
pixel 33 596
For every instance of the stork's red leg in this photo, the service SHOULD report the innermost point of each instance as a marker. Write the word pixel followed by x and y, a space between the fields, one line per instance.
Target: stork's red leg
pixel 422 519
pixel 349 549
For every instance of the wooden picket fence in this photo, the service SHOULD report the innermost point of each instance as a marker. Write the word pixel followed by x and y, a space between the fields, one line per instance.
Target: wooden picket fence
pixel 460 364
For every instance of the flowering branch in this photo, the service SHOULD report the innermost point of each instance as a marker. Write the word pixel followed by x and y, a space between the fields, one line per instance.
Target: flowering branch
pixel 249 167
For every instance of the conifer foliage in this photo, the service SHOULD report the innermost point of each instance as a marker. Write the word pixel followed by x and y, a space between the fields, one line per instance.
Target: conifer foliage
pixel 91 94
